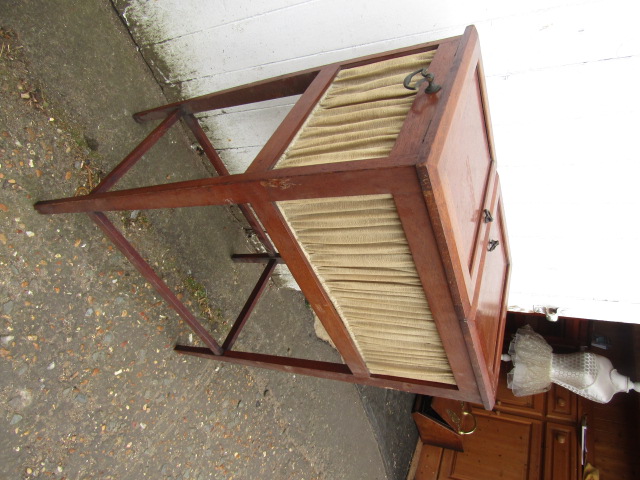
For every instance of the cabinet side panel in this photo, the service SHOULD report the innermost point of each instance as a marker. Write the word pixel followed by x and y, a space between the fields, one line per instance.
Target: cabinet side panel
pixel 359 252
pixel 360 115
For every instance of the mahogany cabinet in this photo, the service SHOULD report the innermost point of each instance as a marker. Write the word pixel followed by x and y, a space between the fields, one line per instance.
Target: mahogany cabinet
pixel 379 191
pixel 546 429
pixel 523 438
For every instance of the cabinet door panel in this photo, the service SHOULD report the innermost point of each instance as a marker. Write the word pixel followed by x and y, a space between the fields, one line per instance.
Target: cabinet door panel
pixel 491 295
pixel 561 452
pixel 504 446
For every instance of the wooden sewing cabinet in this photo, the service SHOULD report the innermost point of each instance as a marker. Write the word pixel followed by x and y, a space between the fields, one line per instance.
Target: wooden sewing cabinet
pixel 383 201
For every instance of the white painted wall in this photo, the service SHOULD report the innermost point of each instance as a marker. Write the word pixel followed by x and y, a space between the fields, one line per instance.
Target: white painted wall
pixel 564 96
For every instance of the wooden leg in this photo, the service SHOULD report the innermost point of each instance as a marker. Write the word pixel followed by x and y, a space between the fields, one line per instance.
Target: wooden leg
pixel 211 153
pixel 209 150
pixel 147 272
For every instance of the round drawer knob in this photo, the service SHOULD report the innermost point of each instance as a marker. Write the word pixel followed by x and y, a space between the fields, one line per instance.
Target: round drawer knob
pixel 561 438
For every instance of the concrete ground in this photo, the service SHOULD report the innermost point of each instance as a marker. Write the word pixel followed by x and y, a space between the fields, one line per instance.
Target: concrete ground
pixel 89 384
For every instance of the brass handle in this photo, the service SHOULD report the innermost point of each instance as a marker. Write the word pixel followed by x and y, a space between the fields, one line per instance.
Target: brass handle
pixel 458 422
pixel 561 402
pixel 428 77
pixel 475 424
pixel 561 438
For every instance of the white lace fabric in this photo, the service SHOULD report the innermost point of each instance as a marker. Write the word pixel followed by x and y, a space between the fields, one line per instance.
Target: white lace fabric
pixel 575 371
pixel 532 360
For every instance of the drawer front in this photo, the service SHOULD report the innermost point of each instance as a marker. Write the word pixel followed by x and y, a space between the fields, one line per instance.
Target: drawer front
pixel 562 404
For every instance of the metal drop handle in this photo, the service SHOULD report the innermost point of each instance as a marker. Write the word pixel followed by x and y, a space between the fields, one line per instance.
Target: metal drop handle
pixel 472 429
pixel 428 77
pixel 458 421
pixel 493 244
